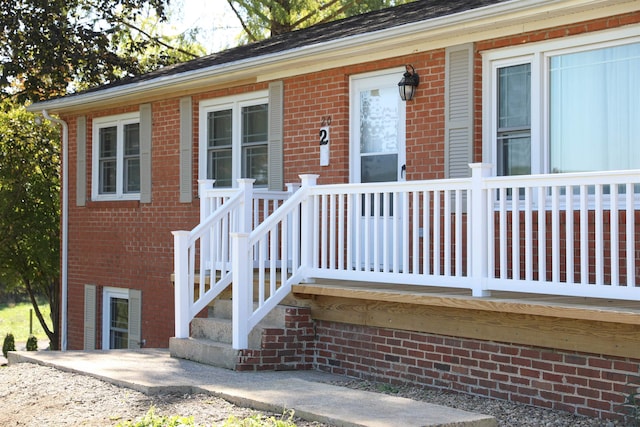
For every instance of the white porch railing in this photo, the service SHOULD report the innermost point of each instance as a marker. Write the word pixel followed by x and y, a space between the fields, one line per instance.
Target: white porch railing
pixel 561 234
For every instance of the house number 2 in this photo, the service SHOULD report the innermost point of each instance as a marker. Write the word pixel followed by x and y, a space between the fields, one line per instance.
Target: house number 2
pixel 324 141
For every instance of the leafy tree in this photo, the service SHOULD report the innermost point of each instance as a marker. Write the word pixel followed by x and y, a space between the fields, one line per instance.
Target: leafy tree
pixel 261 19
pixel 51 47
pixel 30 209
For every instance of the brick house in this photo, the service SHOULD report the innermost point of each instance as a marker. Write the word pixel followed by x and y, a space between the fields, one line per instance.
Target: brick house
pixel 515 278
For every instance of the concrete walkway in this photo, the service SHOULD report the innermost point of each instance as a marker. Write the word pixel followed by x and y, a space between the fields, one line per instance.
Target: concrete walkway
pixel 307 392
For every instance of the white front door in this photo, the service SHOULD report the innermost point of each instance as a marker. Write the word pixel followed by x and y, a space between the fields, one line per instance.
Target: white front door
pixel 377 155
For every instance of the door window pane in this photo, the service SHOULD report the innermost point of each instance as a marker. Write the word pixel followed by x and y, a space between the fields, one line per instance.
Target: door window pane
pixel 379 121
pixel 119 327
pixel 594 110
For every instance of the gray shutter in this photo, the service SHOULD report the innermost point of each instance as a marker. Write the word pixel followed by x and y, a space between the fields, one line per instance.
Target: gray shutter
pixel 186 144
pixel 89 317
pixel 81 161
pixel 135 318
pixel 145 153
pixel 276 135
pixel 458 111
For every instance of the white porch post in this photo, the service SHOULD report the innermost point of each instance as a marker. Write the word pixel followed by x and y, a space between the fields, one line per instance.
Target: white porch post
pixel 306 226
pixel 241 294
pixel 241 267
pixel 245 213
pixel 181 282
pixel 478 223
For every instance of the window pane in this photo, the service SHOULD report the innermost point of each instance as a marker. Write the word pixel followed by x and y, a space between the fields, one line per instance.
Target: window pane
pixel 255 164
pixel 219 126
pixel 107 177
pixel 108 142
pixel 254 144
pixel 514 154
pixel 132 139
pixel 254 124
pixel 514 96
pixel 219 167
pixel 514 120
pixel 131 181
pixel 594 109
pixel 132 175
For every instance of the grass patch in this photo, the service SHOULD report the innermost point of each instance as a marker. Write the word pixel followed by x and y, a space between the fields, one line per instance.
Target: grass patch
pixel 14 319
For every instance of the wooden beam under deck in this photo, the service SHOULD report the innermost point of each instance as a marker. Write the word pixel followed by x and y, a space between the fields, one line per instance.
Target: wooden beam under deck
pixel 587 325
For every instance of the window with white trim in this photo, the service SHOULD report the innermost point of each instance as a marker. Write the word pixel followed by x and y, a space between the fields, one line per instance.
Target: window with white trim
pixel 234 139
pixel 116 157
pixel 569 105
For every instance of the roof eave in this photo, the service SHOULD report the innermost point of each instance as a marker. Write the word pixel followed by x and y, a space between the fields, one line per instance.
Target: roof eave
pixel 501 18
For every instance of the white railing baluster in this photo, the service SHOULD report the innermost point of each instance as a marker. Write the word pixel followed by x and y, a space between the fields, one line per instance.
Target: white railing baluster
pixel 555 234
pixel 542 234
pixel 599 246
pixel 630 221
pixel 415 227
pixel 614 247
pixel 515 233
pixel 447 233
pixel 502 224
pixel 458 234
pixel 584 236
pixel 436 233
pixel 569 236
pixel 426 232
pixel 341 235
pixel 528 235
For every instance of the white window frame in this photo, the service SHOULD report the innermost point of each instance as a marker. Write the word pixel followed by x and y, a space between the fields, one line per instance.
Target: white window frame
pixel 538 55
pixel 118 121
pixel 235 104
pixel 107 295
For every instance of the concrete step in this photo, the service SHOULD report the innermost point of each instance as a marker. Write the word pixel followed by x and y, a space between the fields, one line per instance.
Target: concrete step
pixel 221 330
pixel 222 308
pixel 204 351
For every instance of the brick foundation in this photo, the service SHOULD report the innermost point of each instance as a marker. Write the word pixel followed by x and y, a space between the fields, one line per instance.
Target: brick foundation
pixel 583 384
pixel 283 349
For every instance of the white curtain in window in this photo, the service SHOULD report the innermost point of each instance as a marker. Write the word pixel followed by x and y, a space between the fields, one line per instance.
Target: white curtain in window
pixel 595 110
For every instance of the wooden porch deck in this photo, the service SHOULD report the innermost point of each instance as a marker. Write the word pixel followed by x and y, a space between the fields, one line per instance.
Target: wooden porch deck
pixel 588 325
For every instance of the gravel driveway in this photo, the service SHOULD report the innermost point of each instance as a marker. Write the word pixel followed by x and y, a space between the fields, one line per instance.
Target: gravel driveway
pixel 34 395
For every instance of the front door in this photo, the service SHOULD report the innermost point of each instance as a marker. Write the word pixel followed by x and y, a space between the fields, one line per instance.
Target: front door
pixel 377 155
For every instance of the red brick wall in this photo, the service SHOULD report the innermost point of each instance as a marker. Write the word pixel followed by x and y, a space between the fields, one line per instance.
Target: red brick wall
pixel 283 349
pixel 584 384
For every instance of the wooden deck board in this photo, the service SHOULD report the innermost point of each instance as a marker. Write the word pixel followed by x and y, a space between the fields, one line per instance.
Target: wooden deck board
pixel 593 309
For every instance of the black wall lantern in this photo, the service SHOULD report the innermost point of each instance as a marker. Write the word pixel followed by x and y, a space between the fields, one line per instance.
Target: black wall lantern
pixel 408 84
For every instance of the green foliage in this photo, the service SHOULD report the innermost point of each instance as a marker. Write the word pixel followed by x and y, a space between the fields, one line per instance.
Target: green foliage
pixel 9 344
pixel 261 421
pixel 50 47
pixel 631 405
pixel 14 318
pixel 30 208
pixel 261 19
pixel 32 343
pixel 153 420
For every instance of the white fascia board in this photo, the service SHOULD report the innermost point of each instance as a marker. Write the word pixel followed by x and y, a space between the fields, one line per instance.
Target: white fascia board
pixel 512 16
